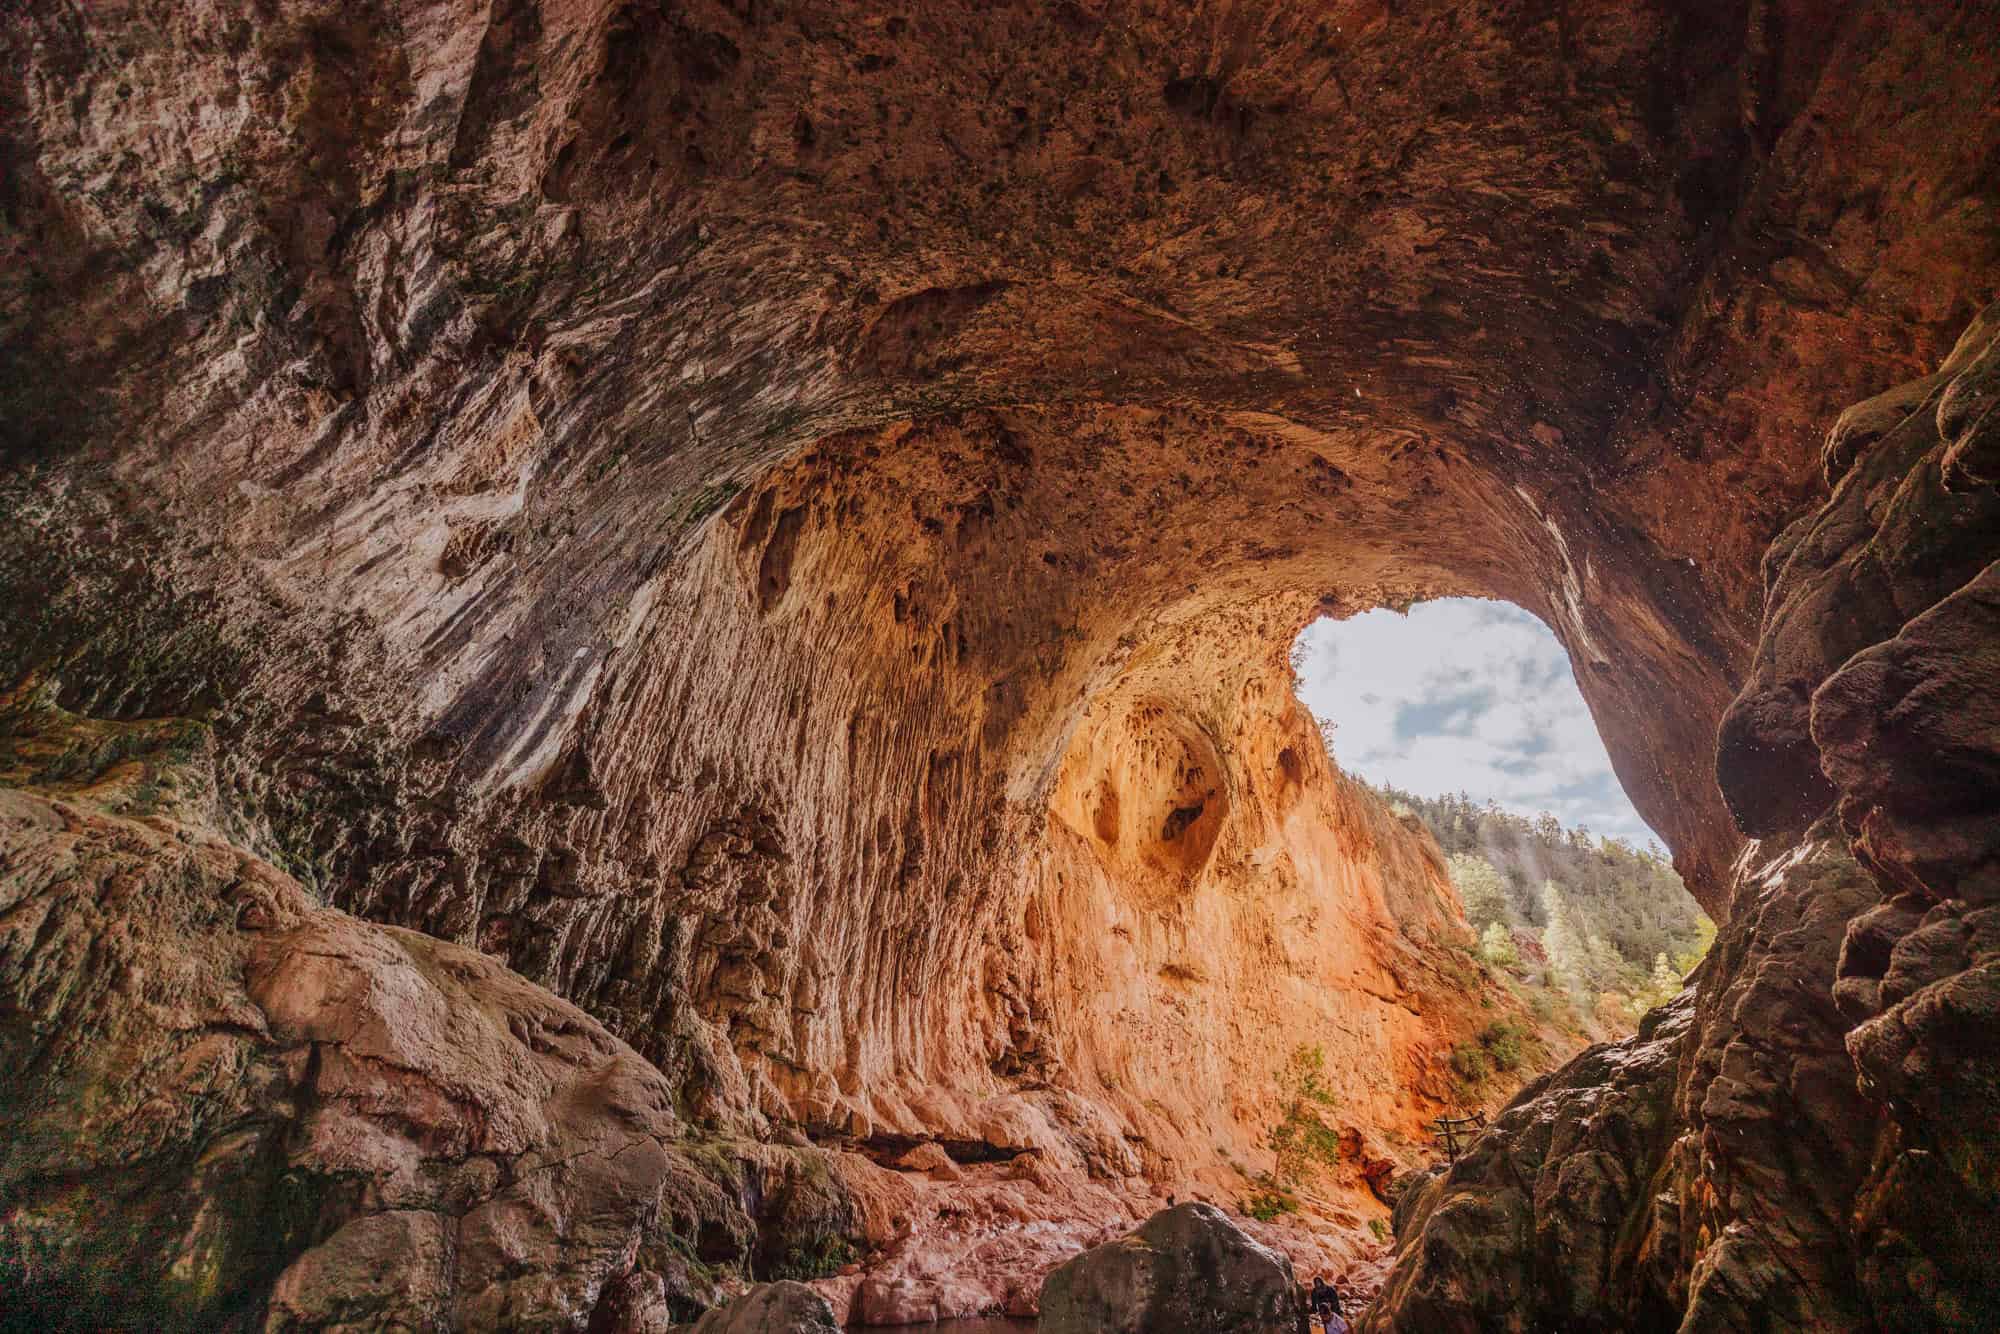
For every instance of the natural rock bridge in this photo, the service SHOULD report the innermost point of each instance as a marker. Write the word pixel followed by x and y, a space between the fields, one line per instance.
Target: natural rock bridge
pixel 608 605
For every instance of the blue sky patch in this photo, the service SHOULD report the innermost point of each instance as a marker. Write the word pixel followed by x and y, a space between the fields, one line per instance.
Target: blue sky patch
pixel 1465 695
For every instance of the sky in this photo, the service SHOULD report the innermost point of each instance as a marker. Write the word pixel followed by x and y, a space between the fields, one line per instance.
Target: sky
pixel 1461 695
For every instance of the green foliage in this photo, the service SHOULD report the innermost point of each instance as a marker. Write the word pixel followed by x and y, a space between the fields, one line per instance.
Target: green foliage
pixel 1685 961
pixel 1380 1228
pixel 1301 1141
pixel 1502 1046
pixel 1630 899
pixel 1607 916
pixel 1481 888
pixel 817 1257
pixel 1506 1042
pixel 1269 1200
pixel 1469 1064
pixel 1496 946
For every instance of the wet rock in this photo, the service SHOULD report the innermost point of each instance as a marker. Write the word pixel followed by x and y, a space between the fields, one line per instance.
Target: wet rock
pixel 1187 1270
pixel 771 1308
pixel 1529 1228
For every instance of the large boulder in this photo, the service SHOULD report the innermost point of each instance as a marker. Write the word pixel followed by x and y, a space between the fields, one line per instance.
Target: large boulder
pixel 772 1308
pixel 223 1104
pixel 1187 1270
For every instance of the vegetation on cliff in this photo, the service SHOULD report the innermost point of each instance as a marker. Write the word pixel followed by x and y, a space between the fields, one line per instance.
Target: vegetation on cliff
pixel 1301 1142
pixel 1593 931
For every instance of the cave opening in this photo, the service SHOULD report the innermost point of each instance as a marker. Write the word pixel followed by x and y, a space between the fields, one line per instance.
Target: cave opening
pixel 1464 715
pixel 1460 695
pixel 1073 817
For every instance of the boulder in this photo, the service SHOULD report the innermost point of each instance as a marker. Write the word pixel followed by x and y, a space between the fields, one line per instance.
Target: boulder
pixel 930 1159
pixel 1187 1270
pixel 772 1308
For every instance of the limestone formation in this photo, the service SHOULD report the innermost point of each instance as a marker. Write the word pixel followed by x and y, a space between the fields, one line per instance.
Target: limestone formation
pixel 735 560
pixel 1187 1271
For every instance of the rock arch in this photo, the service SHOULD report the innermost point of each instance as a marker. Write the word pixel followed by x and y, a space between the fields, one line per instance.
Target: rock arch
pixel 678 501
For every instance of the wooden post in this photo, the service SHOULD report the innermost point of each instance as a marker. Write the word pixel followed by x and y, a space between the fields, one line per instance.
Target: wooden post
pixel 1448 1128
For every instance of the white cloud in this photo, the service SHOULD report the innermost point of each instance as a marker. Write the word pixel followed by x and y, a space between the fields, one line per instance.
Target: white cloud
pixel 1462 695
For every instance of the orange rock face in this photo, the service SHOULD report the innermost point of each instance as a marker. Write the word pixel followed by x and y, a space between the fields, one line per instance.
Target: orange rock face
pixel 780 524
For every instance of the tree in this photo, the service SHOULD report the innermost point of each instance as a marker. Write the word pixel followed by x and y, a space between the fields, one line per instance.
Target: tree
pixel 1666 982
pixel 1300 1138
pixel 1480 887
pixel 1704 928
pixel 1604 968
pixel 1569 957
pixel 1300 1141
pixel 1496 946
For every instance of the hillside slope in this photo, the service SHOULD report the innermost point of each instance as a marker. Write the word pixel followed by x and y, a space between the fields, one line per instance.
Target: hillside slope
pixel 1594 931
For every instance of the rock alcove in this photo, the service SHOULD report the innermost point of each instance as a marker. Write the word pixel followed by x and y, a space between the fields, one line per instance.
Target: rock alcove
pixel 605 603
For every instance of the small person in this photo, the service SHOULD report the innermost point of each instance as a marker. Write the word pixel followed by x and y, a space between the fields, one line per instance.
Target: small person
pixel 1326 1305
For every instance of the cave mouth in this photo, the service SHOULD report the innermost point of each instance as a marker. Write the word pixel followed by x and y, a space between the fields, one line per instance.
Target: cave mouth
pixel 1464 695
pixel 1038 716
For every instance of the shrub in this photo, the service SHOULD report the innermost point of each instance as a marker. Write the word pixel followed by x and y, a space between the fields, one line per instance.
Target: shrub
pixel 815 1257
pixel 1480 888
pixel 1496 946
pixel 1301 1140
pixel 1504 1041
pixel 1269 1200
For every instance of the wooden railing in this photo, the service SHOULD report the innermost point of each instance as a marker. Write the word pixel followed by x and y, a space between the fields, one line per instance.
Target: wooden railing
pixel 1455 1133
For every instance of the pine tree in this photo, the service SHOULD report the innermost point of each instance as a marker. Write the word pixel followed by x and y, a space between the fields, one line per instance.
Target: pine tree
pixel 1666 982
pixel 1496 946
pixel 1606 970
pixel 1480 887
pixel 1569 958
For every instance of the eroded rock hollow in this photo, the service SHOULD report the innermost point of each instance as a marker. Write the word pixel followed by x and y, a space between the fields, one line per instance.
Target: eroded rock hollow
pixel 644 642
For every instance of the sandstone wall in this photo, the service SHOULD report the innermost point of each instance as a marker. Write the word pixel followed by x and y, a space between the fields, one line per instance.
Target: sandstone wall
pixel 706 506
